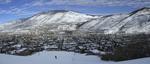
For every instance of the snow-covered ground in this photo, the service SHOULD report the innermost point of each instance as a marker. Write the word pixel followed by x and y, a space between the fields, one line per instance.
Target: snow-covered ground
pixel 62 57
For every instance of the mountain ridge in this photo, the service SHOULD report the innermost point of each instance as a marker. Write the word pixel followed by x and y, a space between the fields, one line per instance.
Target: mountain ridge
pixel 68 20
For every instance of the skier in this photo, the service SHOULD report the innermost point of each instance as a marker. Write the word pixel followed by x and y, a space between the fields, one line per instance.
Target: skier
pixel 55 57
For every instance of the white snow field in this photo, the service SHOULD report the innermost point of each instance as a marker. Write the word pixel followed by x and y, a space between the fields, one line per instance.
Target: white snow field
pixel 62 57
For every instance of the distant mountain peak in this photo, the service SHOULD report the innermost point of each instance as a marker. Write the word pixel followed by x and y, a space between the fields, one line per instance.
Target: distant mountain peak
pixel 141 9
pixel 58 11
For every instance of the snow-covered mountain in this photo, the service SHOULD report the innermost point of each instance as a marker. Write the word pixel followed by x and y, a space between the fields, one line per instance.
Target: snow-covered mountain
pixel 134 22
pixel 53 20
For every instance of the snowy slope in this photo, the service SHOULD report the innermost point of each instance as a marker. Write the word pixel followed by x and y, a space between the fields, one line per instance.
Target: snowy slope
pixel 135 22
pixel 106 24
pixel 63 58
pixel 51 19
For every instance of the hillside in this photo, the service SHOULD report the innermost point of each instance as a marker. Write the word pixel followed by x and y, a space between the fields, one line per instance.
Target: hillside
pixel 58 20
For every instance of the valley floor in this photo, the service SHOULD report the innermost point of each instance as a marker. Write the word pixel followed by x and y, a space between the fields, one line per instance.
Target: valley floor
pixel 62 57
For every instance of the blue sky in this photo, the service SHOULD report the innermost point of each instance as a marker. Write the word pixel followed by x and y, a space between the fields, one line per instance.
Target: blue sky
pixel 15 9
